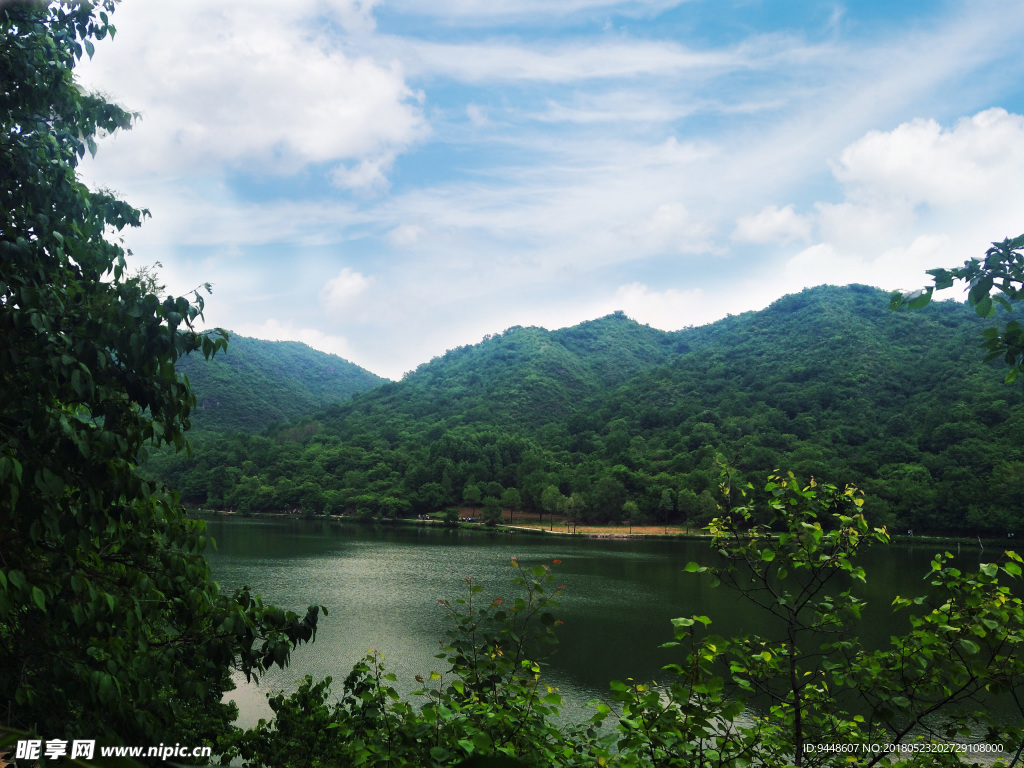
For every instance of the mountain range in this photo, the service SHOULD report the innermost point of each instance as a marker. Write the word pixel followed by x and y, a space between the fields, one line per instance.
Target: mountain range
pixel 827 383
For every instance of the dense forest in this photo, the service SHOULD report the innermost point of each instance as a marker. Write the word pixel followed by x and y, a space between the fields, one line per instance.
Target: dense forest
pixel 256 383
pixel 828 383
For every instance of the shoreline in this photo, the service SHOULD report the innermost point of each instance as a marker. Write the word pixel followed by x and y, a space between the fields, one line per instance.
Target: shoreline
pixel 614 532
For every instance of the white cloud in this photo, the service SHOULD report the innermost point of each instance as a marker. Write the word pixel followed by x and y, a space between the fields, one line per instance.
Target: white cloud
pixel 921 162
pixel 977 164
pixel 249 86
pixel 405 234
pixel 824 264
pixel 918 197
pixel 862 226
pixel 671 228
pixel 773 225
pixel 498 61
pixel 632 105
pixel 356 16
pixel 670 309
pixel 578 215
pixel 489 11
pixel 198 216
pixel 562 164
pixel 896 267
pixel 477 115
pixel 367 174
pixel 339 291
pixel 674 308
pixel 905 266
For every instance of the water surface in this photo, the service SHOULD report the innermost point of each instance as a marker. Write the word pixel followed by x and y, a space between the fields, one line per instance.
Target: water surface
pixel 381 586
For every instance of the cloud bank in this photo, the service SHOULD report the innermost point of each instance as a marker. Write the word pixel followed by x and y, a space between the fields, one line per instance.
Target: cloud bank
pixel 390 180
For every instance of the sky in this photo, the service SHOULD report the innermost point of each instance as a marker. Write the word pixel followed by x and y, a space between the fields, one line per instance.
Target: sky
pixel 389 179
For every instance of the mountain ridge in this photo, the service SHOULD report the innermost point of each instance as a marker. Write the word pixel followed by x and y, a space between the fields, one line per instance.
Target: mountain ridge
pixel 257 383
pixel 827 383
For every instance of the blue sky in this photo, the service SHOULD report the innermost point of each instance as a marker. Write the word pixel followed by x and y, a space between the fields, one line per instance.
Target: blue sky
pixel 389 179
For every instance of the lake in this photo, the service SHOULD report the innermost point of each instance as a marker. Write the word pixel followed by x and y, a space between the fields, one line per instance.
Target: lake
pixel 381 586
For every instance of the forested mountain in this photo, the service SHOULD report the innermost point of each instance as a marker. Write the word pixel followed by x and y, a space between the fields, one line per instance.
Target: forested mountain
pixel 257 383
pixel 828 383
pixel 520 380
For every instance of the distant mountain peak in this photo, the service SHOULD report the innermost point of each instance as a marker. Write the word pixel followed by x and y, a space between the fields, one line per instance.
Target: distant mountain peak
pixel 258 382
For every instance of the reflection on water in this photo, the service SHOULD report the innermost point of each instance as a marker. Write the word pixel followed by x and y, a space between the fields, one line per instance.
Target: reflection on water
pixel 381 587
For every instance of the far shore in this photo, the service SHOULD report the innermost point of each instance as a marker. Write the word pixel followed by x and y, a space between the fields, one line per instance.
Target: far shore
pixel 529 523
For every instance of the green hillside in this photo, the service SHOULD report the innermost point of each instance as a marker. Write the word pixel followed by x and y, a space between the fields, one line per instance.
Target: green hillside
pixel 828 383
pixel 258 383
pixel 520 380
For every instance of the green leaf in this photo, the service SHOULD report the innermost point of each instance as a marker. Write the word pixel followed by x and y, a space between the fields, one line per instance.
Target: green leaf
pixel 943 278
pixel 979 293
pixel 482 740
pixel 17 578
pixel 919 299
pixel 969 645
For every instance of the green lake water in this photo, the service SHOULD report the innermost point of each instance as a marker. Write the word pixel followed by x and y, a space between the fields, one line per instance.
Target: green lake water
pixel 381 586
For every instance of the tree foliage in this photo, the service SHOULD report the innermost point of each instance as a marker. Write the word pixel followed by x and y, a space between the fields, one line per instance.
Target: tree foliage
pixel 996 280
pixel 929 685
pixel 110 623
pixel 801 691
